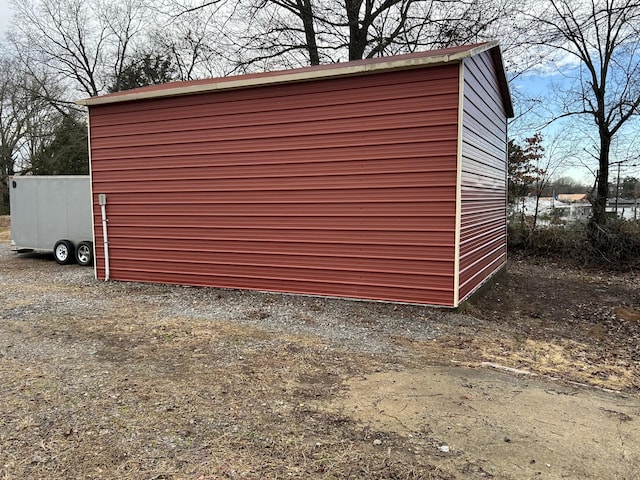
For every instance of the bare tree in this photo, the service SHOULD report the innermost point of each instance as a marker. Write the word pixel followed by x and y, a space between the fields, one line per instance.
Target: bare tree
pixel 547 163
pixel 298 22
pixel 84 42
pixel 25 121
pixel 11 128
pixel 302 32
pixel 196 38
pixel 603 37
pixel 125 20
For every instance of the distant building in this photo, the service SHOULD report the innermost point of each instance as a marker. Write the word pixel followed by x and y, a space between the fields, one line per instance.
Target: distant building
pixel 571 207
pixel 561 209
pixel 629 209
pixel 572 197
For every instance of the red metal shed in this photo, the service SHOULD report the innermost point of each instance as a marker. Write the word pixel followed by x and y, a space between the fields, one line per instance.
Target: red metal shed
pixel 378 179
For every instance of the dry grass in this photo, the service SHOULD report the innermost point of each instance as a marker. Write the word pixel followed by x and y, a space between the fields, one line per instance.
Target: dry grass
pixel 132 398
pixel 564 359
pixel 5 232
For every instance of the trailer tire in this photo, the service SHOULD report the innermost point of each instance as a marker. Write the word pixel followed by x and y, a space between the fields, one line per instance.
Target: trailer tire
pixel 84 253
pixel 63 252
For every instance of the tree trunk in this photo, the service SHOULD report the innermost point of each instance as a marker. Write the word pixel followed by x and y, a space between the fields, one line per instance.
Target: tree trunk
pixel 4 200
pixel 357 34
pixel 306 15
pixel 600 202
pixel 6 171
pixel 535 212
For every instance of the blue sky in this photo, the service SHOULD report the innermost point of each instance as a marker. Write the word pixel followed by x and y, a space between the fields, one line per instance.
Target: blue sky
pixel 571 140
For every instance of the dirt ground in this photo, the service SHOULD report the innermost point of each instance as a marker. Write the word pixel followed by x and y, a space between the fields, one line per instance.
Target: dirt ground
pixel 538 377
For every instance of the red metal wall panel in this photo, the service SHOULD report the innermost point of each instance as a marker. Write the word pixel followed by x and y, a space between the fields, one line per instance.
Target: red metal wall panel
pixel 483 234
pixel 342 187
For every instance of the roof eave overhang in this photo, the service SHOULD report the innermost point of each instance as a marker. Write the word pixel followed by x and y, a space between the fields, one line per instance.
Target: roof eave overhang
pixel 502 80
pixel 340 70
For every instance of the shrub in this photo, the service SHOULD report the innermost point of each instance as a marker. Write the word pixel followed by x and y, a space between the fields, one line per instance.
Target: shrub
pixel 615 246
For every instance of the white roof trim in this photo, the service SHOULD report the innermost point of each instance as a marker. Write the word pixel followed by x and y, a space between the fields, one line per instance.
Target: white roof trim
pixel 339 70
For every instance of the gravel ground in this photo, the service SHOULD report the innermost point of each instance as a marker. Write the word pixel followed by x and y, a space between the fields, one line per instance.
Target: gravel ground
pixel 364 326
pixel 550 318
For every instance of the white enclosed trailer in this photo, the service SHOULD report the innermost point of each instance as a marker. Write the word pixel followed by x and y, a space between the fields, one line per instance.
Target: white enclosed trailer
pixel 53 213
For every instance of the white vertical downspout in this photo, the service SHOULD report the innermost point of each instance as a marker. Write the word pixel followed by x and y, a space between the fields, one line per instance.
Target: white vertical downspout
pixel 456 272
pixel 102 198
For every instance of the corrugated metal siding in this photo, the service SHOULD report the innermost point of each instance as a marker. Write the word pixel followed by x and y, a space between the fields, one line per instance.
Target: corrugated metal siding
pixel 483 234
pixel 342 187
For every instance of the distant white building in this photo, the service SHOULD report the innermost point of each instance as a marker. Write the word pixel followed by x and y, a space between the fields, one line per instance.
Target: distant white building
pixel 571 207
pixel 629 209
pixel 561 209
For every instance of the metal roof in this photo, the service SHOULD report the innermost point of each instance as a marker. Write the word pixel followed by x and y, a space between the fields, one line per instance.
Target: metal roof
pixel 353 68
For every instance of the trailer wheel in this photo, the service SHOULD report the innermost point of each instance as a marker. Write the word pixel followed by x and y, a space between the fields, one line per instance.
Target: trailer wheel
pixel 84 253
pixel 63 252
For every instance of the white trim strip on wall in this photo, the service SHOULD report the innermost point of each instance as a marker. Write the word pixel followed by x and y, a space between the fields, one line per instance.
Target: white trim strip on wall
pixel 456 271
